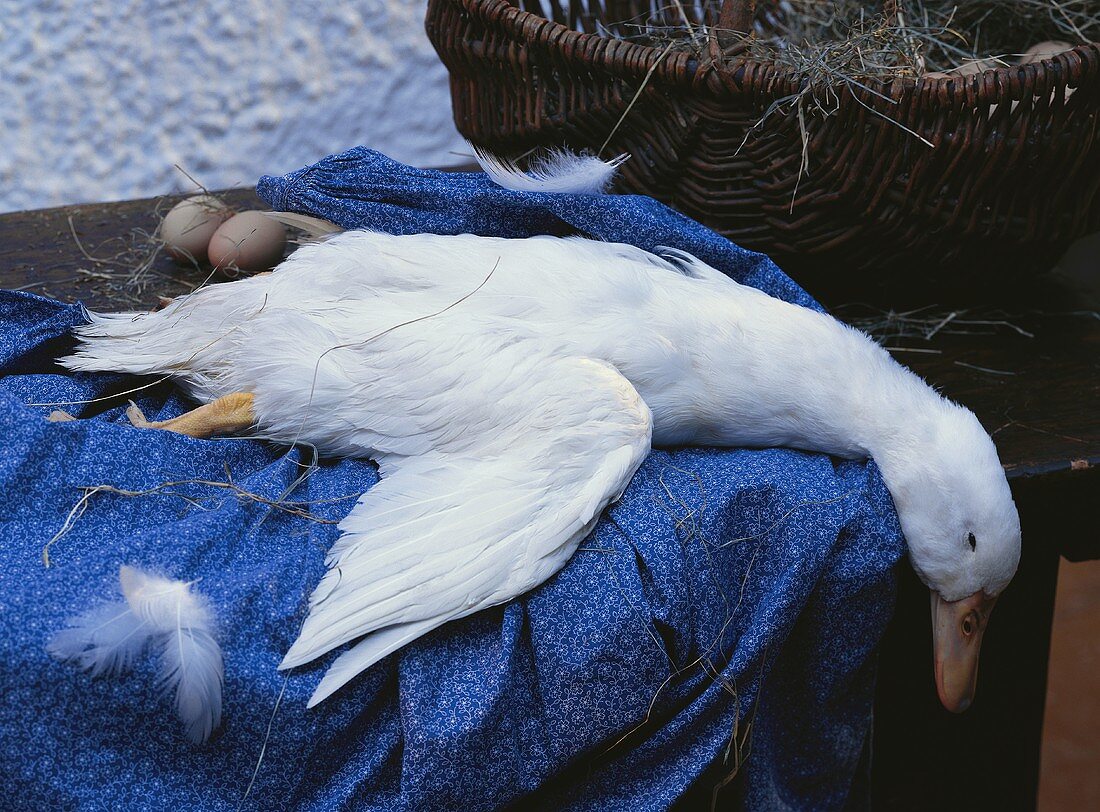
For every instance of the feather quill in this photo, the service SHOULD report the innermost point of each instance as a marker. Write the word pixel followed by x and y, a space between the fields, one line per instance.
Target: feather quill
pixel 559 171
pixel 104 640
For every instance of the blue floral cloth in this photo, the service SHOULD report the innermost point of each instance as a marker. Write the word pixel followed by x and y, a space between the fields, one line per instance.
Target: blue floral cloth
pixel 720 621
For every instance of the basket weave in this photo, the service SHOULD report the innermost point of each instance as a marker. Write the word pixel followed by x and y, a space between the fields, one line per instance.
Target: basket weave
pixel 1004 188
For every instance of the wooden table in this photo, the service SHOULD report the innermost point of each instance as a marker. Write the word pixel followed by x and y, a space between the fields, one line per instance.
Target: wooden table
pixel 1031 372
pixel 1032 375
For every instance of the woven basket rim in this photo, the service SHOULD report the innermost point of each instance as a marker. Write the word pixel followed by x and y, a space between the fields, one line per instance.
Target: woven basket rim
pixel 723 77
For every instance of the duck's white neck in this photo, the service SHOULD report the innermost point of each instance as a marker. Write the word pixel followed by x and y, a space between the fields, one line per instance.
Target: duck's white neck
pixel 782 375
pixel 739 368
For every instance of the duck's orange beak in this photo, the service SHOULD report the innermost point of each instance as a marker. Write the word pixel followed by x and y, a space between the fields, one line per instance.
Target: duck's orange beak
pixel 957 629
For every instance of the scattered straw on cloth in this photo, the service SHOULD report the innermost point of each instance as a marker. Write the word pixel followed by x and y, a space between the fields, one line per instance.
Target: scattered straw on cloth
pixel 724 614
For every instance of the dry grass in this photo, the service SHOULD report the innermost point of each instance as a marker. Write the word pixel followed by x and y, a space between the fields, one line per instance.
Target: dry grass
pixel 925 323
pixel 126 267
pixel 825 39
pixel 714 658
pixel 219 491
pixel 837 47
pixel 897 331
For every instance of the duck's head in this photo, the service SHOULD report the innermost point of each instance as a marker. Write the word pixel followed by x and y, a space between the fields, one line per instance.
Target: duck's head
pixel 963 532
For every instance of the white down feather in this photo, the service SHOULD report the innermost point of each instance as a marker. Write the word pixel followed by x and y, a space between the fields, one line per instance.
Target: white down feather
pixel 557 171
pixel 165 614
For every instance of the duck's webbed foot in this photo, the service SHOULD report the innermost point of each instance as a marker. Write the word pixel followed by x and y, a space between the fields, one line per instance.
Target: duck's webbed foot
pixel 226 415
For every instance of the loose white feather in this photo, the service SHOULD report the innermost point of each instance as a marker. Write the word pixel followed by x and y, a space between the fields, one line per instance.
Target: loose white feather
pixel 191 660
pixel 163 603
pixel 559 171
pixel 109 638
pixel 103 640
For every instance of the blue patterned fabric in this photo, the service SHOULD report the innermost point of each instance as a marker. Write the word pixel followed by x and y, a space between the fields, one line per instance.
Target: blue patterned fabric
pixel 722 617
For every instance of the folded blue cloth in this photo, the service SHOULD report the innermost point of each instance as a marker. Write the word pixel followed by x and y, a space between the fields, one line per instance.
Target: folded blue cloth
pixel 722 617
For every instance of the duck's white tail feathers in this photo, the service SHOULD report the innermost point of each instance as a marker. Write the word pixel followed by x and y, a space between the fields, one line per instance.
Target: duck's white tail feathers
pixel 192 337
pixel 115 342
pixel 558 171
pixel 157 610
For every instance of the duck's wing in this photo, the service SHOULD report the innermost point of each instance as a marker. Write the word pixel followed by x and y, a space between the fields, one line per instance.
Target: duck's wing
pixel 446 534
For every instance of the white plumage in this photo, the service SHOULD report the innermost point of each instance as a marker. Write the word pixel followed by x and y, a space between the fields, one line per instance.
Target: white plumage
pixel 164 613
pixel 509 389
pixel 556 171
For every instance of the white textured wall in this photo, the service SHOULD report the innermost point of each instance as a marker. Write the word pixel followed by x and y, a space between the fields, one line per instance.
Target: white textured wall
pixel 99 99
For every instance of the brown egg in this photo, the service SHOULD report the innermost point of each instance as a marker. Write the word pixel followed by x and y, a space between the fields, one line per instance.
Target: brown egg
pixel 189 225
pixel 250 242
pixel 1044 50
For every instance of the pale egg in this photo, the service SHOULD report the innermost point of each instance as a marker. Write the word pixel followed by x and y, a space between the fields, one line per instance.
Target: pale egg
pixel 189 225
pixel 250 242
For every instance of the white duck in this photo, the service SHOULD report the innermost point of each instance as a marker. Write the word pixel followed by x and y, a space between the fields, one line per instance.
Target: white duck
pixel 509 388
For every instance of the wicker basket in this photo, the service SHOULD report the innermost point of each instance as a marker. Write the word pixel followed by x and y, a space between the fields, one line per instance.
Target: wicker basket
pixel 1010 179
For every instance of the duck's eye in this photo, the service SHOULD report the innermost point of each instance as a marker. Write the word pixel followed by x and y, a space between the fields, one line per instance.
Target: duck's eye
pixel 973 541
